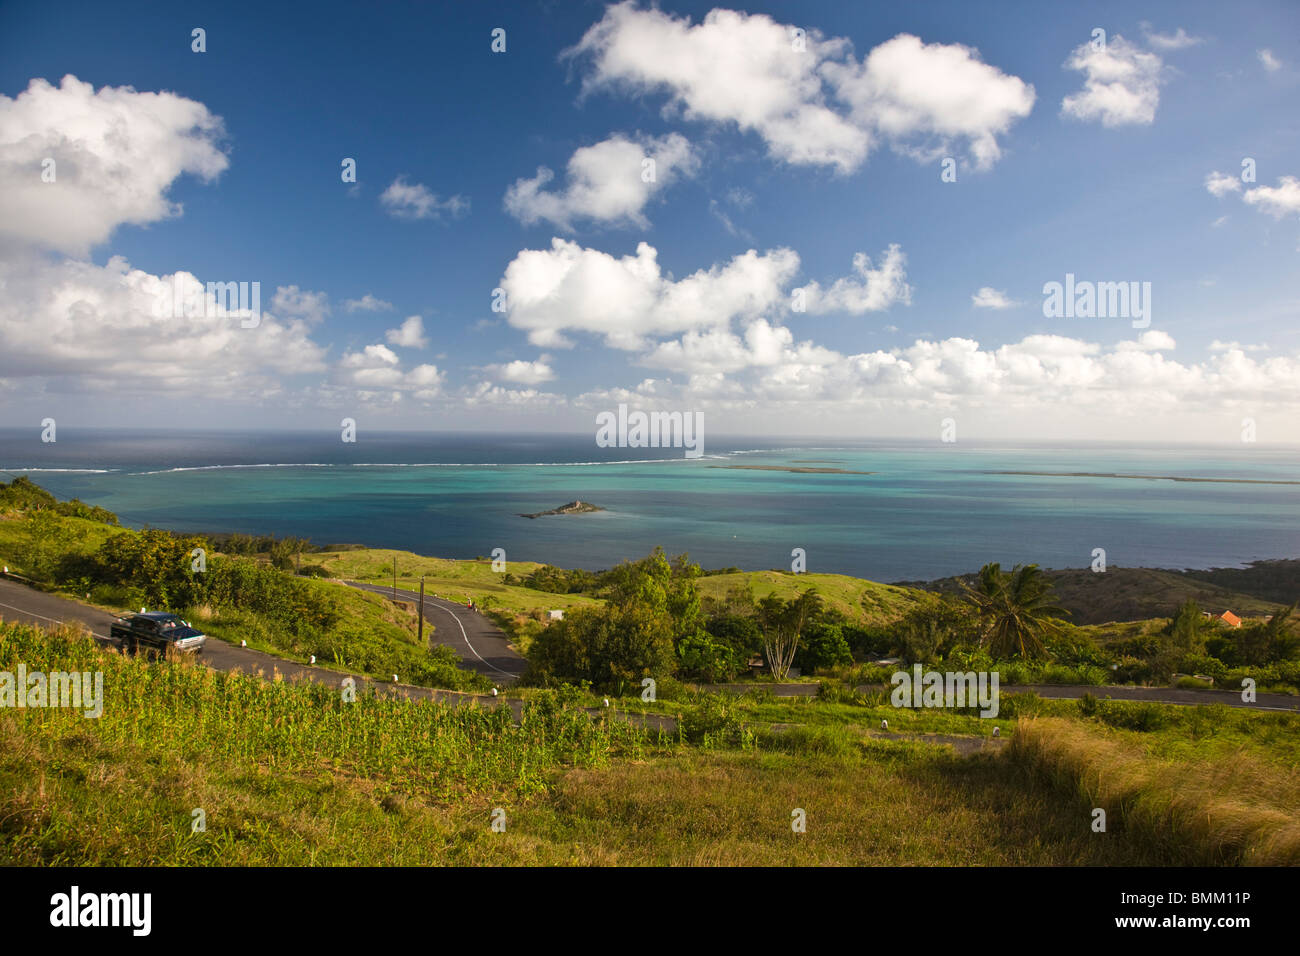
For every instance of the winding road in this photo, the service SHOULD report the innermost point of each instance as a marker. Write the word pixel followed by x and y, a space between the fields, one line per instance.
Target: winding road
pixel 478 642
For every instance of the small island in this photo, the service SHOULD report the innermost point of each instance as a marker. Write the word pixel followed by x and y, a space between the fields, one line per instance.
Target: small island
pixel 572 508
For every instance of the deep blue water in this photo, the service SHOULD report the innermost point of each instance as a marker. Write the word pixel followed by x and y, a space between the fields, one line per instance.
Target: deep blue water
pixel 929 510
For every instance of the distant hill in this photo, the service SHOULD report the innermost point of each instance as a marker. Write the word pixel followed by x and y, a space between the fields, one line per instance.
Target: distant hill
pixel 1131 594
pixel 861 602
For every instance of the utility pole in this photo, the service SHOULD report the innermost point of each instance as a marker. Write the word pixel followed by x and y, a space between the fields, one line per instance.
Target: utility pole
pixel 422 610
pixel 394 577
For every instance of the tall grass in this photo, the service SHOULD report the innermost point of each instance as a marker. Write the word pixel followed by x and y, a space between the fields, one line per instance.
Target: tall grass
pixel 176 720
pixel 1234 808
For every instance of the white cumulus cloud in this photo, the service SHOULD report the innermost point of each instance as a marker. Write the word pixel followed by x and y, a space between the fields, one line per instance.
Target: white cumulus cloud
pixel 1268 61
pixel 408 335
pixel 1121 84
pixel 806 95
pixel 875 289
pixel 990 298
pixel 609 182
pixel 1220 184
pixel 524 372
pixel 1278 201
pixel 404 200
pixel 116 153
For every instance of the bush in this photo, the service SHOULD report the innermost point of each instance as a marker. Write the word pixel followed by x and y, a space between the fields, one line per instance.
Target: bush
pixel 1144 717
pixel 1131 670
pixel 1012 706
pixel 702 657
pixel 715 722
pixel 822 646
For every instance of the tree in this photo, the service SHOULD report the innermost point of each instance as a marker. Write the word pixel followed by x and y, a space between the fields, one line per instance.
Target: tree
pixel 157 563
pixel 1015 610
pixel 823 646
pixel 610 647
pixel 783 623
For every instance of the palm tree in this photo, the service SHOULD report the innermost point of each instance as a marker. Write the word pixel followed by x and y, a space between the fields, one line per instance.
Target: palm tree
pixel 1015 610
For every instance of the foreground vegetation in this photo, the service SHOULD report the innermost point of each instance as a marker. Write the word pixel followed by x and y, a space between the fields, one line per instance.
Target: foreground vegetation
pixel 291 774
pixel 236 598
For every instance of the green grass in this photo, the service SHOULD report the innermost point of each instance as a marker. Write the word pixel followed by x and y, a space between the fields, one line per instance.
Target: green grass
pixel 455 580
pixel 1174 797
pixel 865 603
pixel 371 636
pixel 289 774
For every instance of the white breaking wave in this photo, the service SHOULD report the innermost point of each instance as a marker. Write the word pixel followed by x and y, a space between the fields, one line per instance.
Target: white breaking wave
pixel 67 471
pixel 427 464
pixel 168 471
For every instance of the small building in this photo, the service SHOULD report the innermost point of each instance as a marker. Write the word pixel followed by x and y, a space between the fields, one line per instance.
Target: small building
pixel 1227 617
pixel 557 615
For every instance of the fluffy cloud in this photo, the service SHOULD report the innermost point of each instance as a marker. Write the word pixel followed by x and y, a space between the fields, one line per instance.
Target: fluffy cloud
pixel 1041 374
pixel 116 154
pixel 487 394
pixel 923 97
pixel 525 373
pixel 403 200
pixel 376 368
pixel 607 182
pixel 631 301
pixel 1278 201
pixel 367 303
pixel 1121 84
pixel 720 351
pixel 311 307
pixel 1151 340
pixel 1220 184
pixel 77 325
pixel 990 298
pixel 876 289
pixel 815 105
pixel 1268 61
pixel 568 288
pixel 1178 40
pixel 409 335
pixel 1217 346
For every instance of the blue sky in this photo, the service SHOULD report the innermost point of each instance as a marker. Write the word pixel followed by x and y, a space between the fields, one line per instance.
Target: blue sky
pixel 1113 188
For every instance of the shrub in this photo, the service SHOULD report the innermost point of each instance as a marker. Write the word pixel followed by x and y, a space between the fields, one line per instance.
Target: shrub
pixel 713 661
pixel 1141 716
pixel 822 646
pixel 715 722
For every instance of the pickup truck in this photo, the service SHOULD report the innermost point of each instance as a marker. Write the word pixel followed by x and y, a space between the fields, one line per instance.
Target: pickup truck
pixel 156 633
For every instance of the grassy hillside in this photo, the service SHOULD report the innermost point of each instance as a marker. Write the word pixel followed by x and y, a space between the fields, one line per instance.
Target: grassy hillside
pixel 1195 795
pixel 366 632
pixel 861 602
pixel 457 580
pixel 1270 580
pixel 290 774
pixel 1132 594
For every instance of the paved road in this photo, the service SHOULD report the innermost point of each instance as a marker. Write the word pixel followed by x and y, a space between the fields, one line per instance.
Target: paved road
pixel 478 642
pixel 1154 695
pixel 21 603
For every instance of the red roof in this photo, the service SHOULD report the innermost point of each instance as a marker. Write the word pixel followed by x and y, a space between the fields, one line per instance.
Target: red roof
pixel 1230 618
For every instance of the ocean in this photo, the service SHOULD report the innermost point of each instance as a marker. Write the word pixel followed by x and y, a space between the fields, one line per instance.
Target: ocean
pixel 927 509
